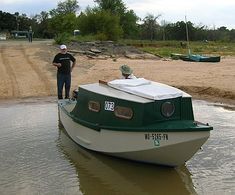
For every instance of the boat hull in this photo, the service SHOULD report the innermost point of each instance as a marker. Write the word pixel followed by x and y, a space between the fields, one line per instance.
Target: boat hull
pixel 199 58
pixel 164 148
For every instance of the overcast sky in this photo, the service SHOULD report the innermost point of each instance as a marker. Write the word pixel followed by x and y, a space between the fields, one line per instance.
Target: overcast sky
pixel 212 13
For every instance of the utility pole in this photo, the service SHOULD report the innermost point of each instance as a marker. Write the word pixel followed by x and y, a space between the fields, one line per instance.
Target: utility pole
pixel 189 52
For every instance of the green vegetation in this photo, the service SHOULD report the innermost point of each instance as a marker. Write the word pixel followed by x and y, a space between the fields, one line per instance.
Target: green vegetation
pixel 165 48
pixel 102 24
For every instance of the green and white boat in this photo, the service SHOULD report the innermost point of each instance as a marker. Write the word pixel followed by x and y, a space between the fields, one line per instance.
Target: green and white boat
pixel 200 58
pixel 136 119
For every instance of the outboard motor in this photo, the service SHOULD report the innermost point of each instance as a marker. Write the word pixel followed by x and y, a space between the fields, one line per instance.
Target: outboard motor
pixel 75 94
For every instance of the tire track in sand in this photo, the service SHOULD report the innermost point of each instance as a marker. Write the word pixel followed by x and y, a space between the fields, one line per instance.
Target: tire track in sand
pixel 10 72
pixel 41 75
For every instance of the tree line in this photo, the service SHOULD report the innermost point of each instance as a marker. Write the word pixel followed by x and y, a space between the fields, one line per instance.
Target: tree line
pixel 107 20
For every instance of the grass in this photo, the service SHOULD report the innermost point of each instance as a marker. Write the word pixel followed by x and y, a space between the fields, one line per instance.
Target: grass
pixel 165 48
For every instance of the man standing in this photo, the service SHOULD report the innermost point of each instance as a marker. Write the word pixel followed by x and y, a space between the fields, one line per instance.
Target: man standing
pixel 30 34
pixel 63 63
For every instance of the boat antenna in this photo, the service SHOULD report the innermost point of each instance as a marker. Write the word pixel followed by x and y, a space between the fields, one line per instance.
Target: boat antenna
pixel 189 52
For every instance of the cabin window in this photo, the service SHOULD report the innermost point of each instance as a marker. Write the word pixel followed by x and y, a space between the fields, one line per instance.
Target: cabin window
pixel 123 112
pixel 94 106
pixel 168 109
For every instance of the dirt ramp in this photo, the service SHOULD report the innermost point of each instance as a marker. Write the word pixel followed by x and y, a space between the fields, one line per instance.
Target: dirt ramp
pixel 23 75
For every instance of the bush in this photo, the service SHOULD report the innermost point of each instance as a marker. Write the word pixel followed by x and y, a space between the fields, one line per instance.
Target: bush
pixel 101 37
pixel 62 38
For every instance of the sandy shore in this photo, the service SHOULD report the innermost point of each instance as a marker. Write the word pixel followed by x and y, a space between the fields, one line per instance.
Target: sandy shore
pixel 26 71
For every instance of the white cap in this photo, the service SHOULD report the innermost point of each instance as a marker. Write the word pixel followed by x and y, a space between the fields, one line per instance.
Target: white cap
pixel 63 47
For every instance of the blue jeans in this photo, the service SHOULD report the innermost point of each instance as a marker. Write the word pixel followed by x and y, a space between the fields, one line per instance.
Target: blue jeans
pixel 63 79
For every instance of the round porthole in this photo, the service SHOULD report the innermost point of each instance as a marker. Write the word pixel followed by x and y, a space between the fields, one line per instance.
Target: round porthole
pixel 168 109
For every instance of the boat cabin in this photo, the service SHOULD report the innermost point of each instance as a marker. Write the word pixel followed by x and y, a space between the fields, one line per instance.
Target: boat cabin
pixel 100 106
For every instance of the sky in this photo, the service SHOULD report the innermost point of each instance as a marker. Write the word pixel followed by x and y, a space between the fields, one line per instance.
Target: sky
pixel 212 13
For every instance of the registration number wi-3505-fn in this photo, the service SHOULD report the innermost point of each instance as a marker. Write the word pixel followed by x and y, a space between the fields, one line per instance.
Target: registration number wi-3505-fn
pixel 156 136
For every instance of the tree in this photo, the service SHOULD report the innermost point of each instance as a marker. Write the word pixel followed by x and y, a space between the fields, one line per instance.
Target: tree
pixel 63 18
pixel 128 22
pixel 65 7
pixel 177 31
pixel 63 24
pixel 8 21
pixel 223 34
pixel 232 35
pixel 100 23
pixel 150 26
pixel 163 31
pixel 116 7
pixel 22 22
pixel 127 18
pixel 42 28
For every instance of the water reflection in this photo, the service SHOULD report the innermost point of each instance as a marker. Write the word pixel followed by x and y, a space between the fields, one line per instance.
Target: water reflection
pixel 101 174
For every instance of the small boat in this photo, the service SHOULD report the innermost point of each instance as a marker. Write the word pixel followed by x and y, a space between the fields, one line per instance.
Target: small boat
pixel 195 57
pixel 200 58
pixel 135 119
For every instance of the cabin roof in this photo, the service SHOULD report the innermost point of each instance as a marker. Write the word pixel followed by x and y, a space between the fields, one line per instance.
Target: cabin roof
pixel 148 92
pixel 147 89
pixel 111 92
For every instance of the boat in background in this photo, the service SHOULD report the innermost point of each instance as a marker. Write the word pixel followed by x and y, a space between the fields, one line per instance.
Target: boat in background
pixel 194 57
pixel 199 58
pixel 135 119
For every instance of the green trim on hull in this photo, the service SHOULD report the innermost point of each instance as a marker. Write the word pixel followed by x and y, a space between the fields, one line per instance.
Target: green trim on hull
pixel 167 126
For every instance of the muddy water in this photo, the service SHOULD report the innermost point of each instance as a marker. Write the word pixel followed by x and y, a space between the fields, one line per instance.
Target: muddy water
pixel 37 157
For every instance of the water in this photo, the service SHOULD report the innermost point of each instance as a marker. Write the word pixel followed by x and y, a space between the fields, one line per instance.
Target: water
pixel 213 169
pixel 37 157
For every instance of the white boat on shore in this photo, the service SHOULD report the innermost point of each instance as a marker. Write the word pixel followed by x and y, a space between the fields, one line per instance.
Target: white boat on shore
pixel 134 119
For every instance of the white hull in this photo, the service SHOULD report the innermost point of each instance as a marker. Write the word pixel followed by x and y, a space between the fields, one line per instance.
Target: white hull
pixel 170 148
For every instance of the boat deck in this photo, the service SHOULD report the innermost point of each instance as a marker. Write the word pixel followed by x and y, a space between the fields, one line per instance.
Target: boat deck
pixel 136 93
